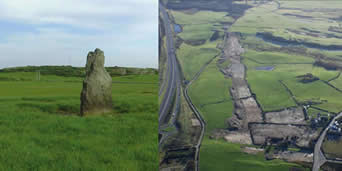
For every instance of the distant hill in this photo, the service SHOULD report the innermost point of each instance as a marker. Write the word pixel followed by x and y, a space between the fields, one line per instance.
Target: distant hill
pixel 70 71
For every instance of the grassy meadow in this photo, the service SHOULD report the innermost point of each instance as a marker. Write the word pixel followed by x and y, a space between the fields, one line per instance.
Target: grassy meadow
pixel 210 94
pixel 265 84
pixel 199 25
pixel 40 128
pixel 293 21
pixel 332 149
pixel 221 155
pixel 192 58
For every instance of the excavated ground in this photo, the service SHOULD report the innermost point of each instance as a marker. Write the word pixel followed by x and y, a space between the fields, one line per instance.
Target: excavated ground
pixel 292 115
pixel 246 107
pixel 300 135
pixel 250 125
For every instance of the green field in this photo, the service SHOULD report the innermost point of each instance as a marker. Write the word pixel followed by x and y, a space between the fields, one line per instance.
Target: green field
pixel 297 25
pixel 192 58
pixel 337 82
pixel 220 155
pixel 332 149
pixel 275 57
pixel 265 84
pixel 210 94
pixel 200 25
pixel 317 92
pixel 42 131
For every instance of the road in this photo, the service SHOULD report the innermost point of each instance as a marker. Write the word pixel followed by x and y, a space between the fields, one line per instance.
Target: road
pixel 319 158
pixel 172 76
pixel 199 117
pixel 174 84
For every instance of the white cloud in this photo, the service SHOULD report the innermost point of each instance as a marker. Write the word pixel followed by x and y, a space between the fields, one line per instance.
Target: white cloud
pixel 125 29
pixel 77 12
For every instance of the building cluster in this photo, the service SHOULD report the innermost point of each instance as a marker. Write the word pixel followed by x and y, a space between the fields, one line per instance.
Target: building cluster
pixel 335 127
pixel 319 121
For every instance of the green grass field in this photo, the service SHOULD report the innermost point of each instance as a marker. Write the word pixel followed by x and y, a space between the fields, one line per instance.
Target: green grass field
pixel 337 82
pixel 200 25
pixel 332 149
pixel 276 57
pixel 210 94
pixel 192 58
pixel 277 21
pixel 220 155
pixel 317 92
pixel 272 95
pixel 41 129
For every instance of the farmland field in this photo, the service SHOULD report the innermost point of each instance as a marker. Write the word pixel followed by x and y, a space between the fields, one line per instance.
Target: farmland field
pixel 210 93
pixel 41 129
pixel 215 152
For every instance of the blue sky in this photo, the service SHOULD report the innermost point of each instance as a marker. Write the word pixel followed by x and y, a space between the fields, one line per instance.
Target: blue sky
pixel 62 32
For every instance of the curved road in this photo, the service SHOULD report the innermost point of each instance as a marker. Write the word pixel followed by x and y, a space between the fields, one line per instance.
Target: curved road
pixel 199 117
pixel 319 158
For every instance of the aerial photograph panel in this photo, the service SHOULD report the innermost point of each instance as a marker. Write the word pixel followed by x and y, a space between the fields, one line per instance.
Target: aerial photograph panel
pixel 250 85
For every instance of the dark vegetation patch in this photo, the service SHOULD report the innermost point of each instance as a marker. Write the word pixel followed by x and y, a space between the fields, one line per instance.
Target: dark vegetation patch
pixel 226 23
pixel 337 18
pixel 307 78
pixel 308 33
pixel 269 37
pixel 310 10
pixel 65 109
pixel 285 49
pixel 331 166
pixel 38 99
pixel 183 156
pixel 215 36
pixel 190 11
pixel 296 169
pixel 195 42
pixel 309 30
pixel 328 64
pixel 236 10
pixel 13 79
pixel 208 50
pixel 69 71
pixel 335 29
pixel 299 16
pixel 179 42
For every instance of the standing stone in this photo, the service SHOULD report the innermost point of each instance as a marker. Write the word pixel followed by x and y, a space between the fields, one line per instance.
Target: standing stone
pixel 96 95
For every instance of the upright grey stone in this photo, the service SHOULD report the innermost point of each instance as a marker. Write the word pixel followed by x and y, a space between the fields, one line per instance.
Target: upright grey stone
pixel 96 95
